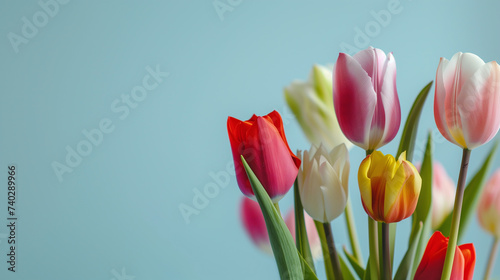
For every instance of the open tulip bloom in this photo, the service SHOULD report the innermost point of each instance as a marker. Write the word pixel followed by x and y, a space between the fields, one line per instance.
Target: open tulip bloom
pixel 365 106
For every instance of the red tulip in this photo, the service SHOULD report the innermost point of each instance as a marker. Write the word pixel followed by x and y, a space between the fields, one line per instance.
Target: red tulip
pixel 431 265
pixel 262 142
pixel 365 97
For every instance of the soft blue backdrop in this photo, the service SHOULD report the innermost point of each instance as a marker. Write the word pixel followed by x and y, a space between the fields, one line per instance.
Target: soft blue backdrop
pixel 65 67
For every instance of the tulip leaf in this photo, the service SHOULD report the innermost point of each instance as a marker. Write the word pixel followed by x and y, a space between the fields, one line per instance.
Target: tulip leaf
pixel 301 239
pixel 346 272
pixel 360 271
pixel 471 196
pixel 423 211
pixel 409 134
pixel 285 253
pixel 309 273
pixel 405 267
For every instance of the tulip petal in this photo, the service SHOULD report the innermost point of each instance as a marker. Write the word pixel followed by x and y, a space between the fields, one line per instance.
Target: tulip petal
pixel 237 132
pixel 275 117
pixel 333 193
pixel 364 183
pixel 354 99
pixel 311 194
pixel 440 97
pixel 469 254
pixel 479 105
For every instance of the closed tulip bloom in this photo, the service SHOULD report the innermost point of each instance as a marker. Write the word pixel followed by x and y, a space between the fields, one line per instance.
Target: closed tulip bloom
pixel 312 104
pixel 467 100
pixel 323 182
pixel 365 97
pixel 488 210
pixel 389 188
pixel 431 265
pixel 255 226
pixel 262 142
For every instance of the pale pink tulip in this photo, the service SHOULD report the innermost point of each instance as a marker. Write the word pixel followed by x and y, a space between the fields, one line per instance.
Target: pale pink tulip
pixel 443 194
pixel 467 100
pixel 488 211
pixel 365 97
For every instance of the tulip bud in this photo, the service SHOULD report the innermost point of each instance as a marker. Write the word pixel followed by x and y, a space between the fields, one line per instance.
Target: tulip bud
pixel 323 182
pixel 262 142
pixel 431 265
pixel 312 104
pixel 389 188
pixel 365 97
pixel 488 210
pixel 467 100
pixel 255 226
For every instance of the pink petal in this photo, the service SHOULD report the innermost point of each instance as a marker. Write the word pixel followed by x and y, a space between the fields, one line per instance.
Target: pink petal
pixel 354 99
pixel 444 84
pixel 479 105
pixel 254 223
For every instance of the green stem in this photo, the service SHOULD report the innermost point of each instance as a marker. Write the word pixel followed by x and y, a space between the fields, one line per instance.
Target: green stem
pixel 324 248
pixel 491 261
pixel 386 266
pixel 351 229
pixel 334 258
pixel 373 243
pixel 455 221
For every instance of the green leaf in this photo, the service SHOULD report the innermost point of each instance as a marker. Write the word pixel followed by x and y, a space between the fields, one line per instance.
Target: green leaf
pixel 423 212
pixel 410 130
pixel 285 253
pixel 308 272
pixel 471 196
pixel 301 239
pixel 360 271
pixel 405 267
pixel 346 272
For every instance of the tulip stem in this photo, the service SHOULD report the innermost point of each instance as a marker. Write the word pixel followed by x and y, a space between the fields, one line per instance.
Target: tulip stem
pixel 373 244
pixel 386 253
pixel 351 229
pixel 455 221
pixel 334 258
pixel 491 261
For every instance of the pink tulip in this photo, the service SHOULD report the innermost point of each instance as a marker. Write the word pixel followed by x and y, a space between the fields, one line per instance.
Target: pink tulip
pixel 365 98
pixel 467 100
pixel 488 211
pixel 255 225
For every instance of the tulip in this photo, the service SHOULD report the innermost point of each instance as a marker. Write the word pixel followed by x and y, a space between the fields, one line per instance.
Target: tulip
pixel 365 97
pixel 488 210
pixel 443 194
pixel 255 226
pixel 431 265
pixel 261 140
pixel 323 182
pixel 389 188
pixel 467 100
pixel 312 104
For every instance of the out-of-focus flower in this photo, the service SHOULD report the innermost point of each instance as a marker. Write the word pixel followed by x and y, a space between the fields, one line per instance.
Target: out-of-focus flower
pixel 389 188
pixel 467 100
pixel 255 226
pixel 431 265
pixel 488 210
pixel 365 97
pixel 443 194
pixel 312 104
pixel 262 142
pixel 323 182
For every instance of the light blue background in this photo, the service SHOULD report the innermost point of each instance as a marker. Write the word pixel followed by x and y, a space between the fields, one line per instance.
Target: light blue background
pixel 119 208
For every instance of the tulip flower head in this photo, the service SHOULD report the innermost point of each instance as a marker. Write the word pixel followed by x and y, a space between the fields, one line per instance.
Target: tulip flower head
pixel 323 182
pixel 365 97
pixel 431 265
pixel 488 210
pixel 312 104
pixel 467 100
pixel 389 188
pixel 262 142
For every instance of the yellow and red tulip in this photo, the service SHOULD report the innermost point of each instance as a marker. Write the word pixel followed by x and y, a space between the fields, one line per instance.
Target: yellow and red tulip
pixel 262 142
pixel 389 188
pixel 431 265
pixel 467 100
pixel 365 97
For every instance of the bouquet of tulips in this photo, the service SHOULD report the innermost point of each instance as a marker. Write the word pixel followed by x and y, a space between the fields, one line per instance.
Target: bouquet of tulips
pixel 357 103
